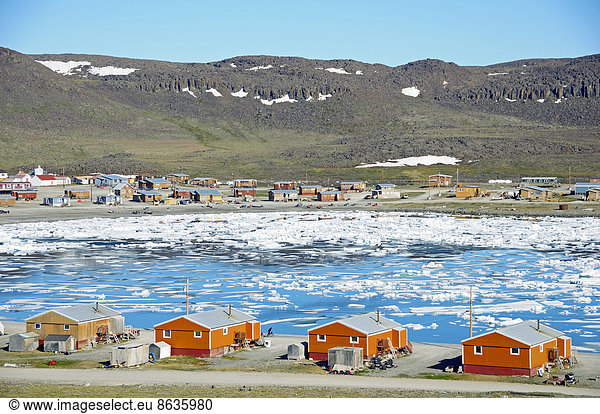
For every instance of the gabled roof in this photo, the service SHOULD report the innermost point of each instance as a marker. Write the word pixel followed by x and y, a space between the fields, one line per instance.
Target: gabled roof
pixel 83 313
pixel 45 177
pixel 440 175
pixel 283 191
pixel 148 193
pixel 526 332
pixel 216 318
pixel 351 182
pixel 56 337
pixel 367 323
pixel 539 178
pixel 120 185
pixel 208 191
pixel 284 182
pixel 203 178
pixel 386 185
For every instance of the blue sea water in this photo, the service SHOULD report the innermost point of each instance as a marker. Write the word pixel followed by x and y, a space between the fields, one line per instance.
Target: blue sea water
pixel 425 287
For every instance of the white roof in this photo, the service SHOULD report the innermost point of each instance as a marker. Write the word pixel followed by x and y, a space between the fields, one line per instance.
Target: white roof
pixel 216 318
pixel 367 323
pixel 526 332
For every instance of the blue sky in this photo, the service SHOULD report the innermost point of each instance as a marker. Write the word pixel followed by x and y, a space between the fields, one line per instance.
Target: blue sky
pixel 467 32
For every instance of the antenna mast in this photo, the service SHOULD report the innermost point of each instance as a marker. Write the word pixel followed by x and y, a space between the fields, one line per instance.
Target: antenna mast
pixel 471 312
pixel 187 296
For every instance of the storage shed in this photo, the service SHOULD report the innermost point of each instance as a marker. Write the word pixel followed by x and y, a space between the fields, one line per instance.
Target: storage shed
pixel 109 199
pixel 535 193
pixel 7 200
pixel 372 332
pixel 129 355
pixel 284 185
pixel 310 189
pixel 467 191
pixel 325 196
pixel 160 350
pixel 345 356
pixel 57 201
pixel 593 194
pixel 147 196
pixel 77 193
pixel 209 333
pixel 59 343
pixel 27 195
pixel 87 323
pixel 520 349
pixel 353 186
pixel 296 351
pixel 22 342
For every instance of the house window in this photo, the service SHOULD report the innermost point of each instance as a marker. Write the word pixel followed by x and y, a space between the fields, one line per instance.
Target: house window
pixel 224 331
pixel 66 327
pixel 321 338
pixel 354 339
pixel 478 350
pixel 197 334
pixel 542 348
pixel 167 333
pixel 37 326
pixel 514 351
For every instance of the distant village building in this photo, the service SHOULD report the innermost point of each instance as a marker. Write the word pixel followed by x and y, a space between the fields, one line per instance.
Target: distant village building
pixel 582 188
pixel 84 322
pixel 204 181
pixel 57 201
pixel 352 186
pixel 244 191
pixel 7 200
pixel 77 193
pixel 440 180
pixel 26 195
pixel 125 190
pixel 245 183
pixel 60 343
pixel 310 189
pixel 283 195
pixel 467 191
pixel 284 185
pixel 110 180
pixel 47 180
pixel 520 349
pixel 593 194
pixel 147 196
pixel 183 193
pixel 10 185
pixel 209 333
pixel 210 195
pixel 372 332
pixel 23 342
pixel 109 199
pixel 3 174
pixel 326 196
pixel 385 191
pixel 535 193
pixel 595 180
pixel 540 181
pixel 84 179
pixel 178 178
pixel 154 184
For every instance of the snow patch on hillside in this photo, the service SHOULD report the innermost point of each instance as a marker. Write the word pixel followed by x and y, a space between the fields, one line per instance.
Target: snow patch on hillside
pixel 283 99
pixel 341 71
pixel 75 68
pixel 188 91
pixel 240 94
pixel 214 92
pixel 324 97
pixel 414 161
pixel 412 91
pixel 255 68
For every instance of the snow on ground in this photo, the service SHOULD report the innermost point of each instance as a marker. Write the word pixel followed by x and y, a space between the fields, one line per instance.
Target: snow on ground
pixel 499 181
pixel 283 99
pixel 214 92
pixel 412 91
pixel 341 71
pixel 240 94
pixel 497 73
pixel 75 68
pixel 110 70
pixel 63 68
pixel 511 100
pixel 324 97
pixel 255 68
pixel 359 72
pixel 188 91
pixel 414 161
pixel 233 65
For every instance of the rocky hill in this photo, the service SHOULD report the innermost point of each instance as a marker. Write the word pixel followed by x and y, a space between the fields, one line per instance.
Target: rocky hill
pixel 286 113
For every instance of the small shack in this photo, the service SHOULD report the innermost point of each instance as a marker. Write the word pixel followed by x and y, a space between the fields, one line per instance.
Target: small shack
pixel 353 186
pixel 59 343
pixel 296 351
pixel 7 200
pixel 109 199
pixel 283 195
pixel 284 185
pixel 125 190
pixel 593 194
pixel 325 196
pixel 346 357
pixel 22 342
pixel 129 355
pixel 385 191
pixel 310 189
pixel 57 201
pixel 77 193
pixel 147 196
pixel 244 191
pixel 211 195
pixel 26 195
pixel 467 191
pixel 160 350
pixel 535 193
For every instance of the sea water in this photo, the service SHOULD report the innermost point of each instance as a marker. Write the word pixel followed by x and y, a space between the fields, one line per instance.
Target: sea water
pixel 294 271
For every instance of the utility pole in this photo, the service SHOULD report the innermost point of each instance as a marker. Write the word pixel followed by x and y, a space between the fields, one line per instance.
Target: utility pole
pixel 457 176
pixel 187 296
pixel 471 312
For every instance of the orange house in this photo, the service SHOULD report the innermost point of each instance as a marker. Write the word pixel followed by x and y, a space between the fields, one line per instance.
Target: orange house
pixel 371 331
pixel 520 349
pixel 464 191
pixel 208 334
